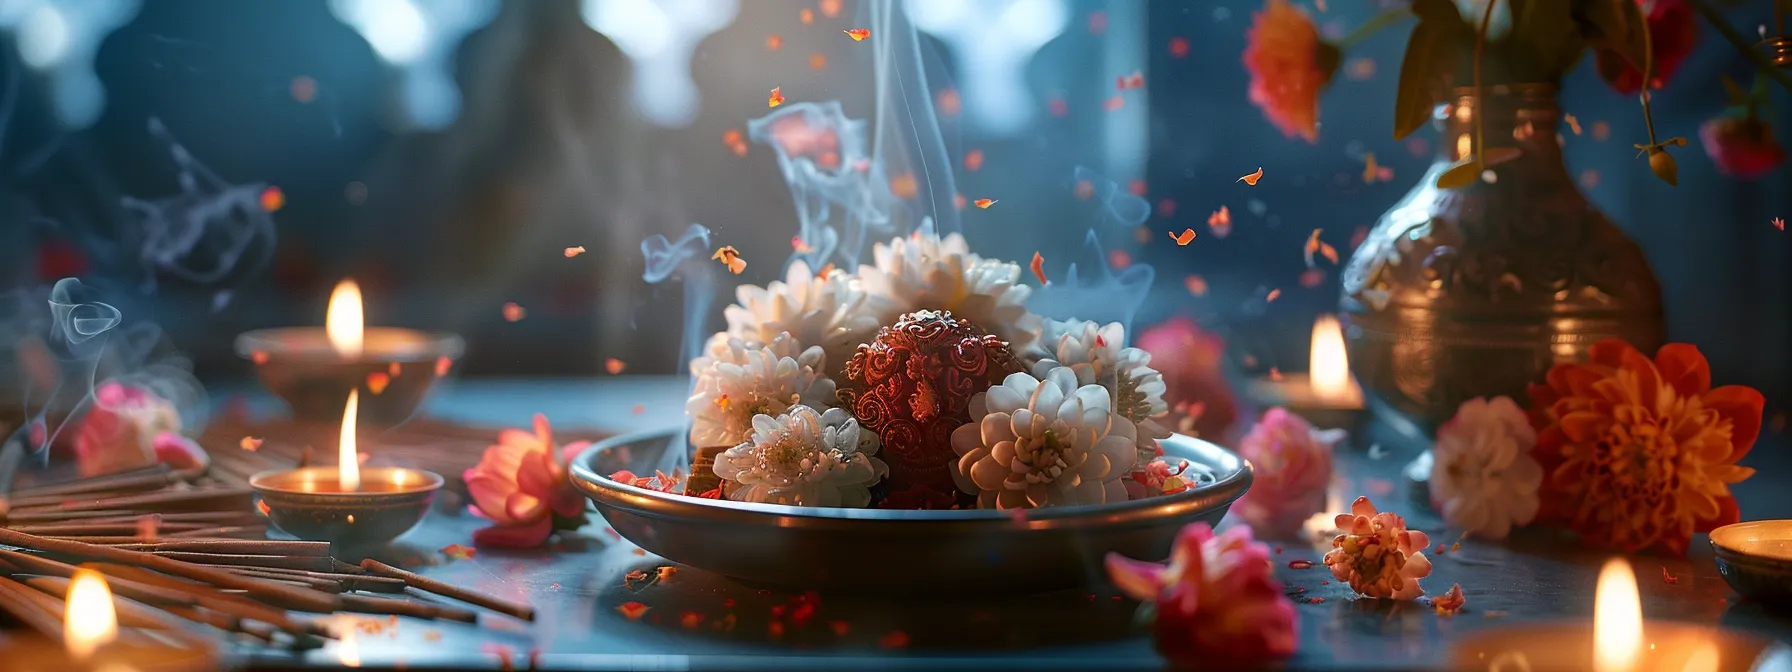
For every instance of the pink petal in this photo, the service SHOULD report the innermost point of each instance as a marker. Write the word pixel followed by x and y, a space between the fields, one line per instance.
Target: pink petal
pixel 1138 580
pixel 489 493
pixel 536 475
pixel 514 536
pixel 543 432
pixel 523 507
pixel 568 502
pixel 1362 507
pixel 179 452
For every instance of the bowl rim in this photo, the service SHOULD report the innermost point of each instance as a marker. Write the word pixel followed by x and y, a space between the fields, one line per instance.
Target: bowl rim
pixel 432 482
pixel 1717 535
pixel 602 490
pixel 434 344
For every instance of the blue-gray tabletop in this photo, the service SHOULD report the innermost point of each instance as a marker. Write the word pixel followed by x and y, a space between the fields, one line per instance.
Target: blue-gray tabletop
pixel 696 620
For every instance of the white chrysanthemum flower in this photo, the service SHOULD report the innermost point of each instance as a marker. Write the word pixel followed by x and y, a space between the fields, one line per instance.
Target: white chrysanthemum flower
pixel 1097 356
pixel 1033 443
pixel 738 379
pixel 926 272
pixel 804 458
pixel 1483 477
pixel 830 311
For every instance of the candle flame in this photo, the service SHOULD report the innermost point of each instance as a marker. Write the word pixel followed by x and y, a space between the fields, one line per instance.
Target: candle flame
pixel 348 462
pixel 1320 526
pixel 343 321
pixel 89 620
pixel 1617 619
pixel 1330 366
pixel 348 651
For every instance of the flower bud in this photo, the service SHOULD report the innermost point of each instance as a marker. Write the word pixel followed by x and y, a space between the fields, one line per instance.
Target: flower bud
pixel 1663 166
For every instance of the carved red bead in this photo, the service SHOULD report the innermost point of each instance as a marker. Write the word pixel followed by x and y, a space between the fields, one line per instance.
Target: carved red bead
pixel 913 384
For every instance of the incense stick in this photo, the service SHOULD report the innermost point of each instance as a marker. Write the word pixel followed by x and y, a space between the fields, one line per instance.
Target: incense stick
pixel 15 602
pixel 518 610
pixel 311 563
pixel 304 600
pixel 132 589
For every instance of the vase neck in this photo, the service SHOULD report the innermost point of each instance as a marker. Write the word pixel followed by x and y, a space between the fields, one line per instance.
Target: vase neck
pixel 1521 116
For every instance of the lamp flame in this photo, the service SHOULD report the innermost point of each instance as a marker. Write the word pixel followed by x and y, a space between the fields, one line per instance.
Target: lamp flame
pixel 348 461
pixel 348 651
pixel 344 319
pixel 1330 366
pixel 1617 619
pixel 89 620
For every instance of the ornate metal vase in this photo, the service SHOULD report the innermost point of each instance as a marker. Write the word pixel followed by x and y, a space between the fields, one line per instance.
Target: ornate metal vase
pixel 1477 291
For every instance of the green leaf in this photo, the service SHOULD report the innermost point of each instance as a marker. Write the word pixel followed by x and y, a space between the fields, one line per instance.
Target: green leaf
pixel 1464 173
pixel 1552 39
pixel 1425 72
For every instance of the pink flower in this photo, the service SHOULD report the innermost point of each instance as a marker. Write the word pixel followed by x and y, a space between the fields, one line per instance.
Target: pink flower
pixel 1377 555
pixel 1156 478
pixel 1673 33
pixel 1193 363
pixel 1217 600
pixel 1741 144
pixel 131 427
pixel 1293 465
pixel 1450 602
pixel 520 484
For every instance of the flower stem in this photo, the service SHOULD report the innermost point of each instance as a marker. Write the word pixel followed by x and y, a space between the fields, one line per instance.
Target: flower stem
pixel 1480 99
pixel 1737 40
pixel 1374 25
pixel 1648 78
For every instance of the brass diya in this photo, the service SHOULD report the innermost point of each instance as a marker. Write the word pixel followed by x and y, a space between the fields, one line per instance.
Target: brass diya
pixel 311 503
pixel 899 551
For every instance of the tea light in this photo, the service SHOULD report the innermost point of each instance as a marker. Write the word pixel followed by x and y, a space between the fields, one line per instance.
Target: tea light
pixel 309 367
pixel 1618 641
pixel 346 505
pixel 90 641
pixel 1329 397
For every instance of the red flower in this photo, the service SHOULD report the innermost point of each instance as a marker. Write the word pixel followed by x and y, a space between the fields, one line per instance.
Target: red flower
pixel 1640 454
pixel 1289 65
pixel 1192 361
pixel 1741 144
pixel 1218 602
pixel 520 484
pixel 1673 32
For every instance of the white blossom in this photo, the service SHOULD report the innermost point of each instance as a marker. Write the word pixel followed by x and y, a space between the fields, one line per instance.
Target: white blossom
pixel 926 272
pixel 1050 442
pixel 804 458
pixel 1483 477
pixel 737 379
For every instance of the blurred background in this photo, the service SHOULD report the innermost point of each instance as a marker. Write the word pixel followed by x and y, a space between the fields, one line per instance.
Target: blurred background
pixel 216 166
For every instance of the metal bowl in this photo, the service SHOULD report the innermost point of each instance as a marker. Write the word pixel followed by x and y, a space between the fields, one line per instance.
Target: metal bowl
pixel 1755 558
pixel 309 503
pixel 898 551
pixel 299 365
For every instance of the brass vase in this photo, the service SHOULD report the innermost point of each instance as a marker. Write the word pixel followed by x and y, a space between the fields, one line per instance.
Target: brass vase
pixel 1477 291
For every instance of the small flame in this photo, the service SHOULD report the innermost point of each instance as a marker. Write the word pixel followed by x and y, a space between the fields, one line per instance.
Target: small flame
pixel 1617 619
pixel 89 620
pixel 1319 526
pixel 1330 365
pixel 348 651
pixel 343 320
pixel 348 463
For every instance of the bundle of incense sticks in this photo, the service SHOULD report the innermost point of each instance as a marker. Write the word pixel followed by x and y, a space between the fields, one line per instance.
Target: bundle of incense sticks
pixel 150 503
pixel 227 585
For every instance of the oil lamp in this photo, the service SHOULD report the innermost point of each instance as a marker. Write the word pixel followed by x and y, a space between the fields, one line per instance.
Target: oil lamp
pixel 91 641
pixel 346 504
pixel 309 367
pixel 1618 641
pixel 1327 396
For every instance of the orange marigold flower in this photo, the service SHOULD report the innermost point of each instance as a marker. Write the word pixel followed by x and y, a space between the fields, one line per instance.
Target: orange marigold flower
pixel 1640 454
pixel 1289 66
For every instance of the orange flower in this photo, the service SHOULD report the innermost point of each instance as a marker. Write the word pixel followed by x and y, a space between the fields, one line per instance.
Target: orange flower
pixel 1289 65
pixel 1640 454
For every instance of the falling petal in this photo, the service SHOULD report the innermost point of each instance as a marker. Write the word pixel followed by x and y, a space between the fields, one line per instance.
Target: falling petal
pixel 973 160
pixel 1117 260
pixel 638 409
pixel 574 251
pixel 1058 107
pixel 1187 236
pixel 1136 80
pixel 1360 69
pixel 392 369
pixel 859 34
pixel 1178 47
pixel 831 8
pixel 1252 178
pixel 250 444
pixel 1220 222
pixel 259 357
pixel 1114 104
pixel 1038 267
pixel 1312 277
pixel 807 16
pixel 443 364
pixel 614 366
pixel 1272 295
pixel 458 552
pixel 948 103
pixel 1275 375
pixel 272 199
pixel 1166 208
pixel 983 203
pixel 377 382
pixel 1573 124
pixel 1084 190
pixel 818 62
pixel 635 610
pixel 513 312
pixel 774 42
pixel 904 186
pixel 777 97
pixel 1196 284
pixel 958 201
pixel 1779 223
pixel 730 257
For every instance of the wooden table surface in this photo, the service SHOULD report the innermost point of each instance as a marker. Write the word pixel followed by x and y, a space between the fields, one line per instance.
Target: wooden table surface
pixel 697 620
